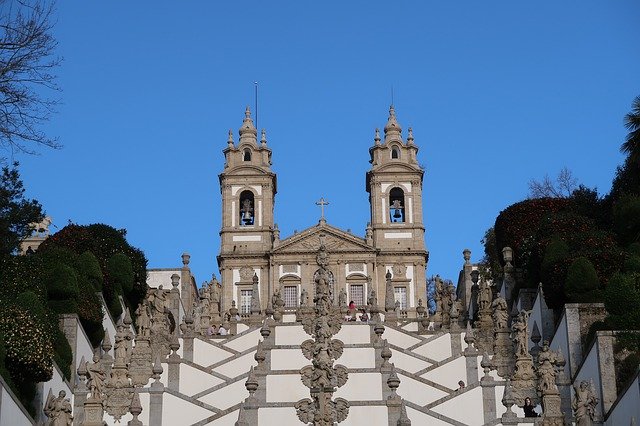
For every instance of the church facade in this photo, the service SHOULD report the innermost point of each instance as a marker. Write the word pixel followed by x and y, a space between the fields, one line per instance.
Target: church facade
pixel 394 241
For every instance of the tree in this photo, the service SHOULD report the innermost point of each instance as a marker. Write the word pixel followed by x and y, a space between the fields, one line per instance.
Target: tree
pixel 26 67
pixel 562 187
pixel 16 212
pixel 631 146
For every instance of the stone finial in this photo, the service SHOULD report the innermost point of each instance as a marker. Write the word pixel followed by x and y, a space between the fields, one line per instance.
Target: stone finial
pixel 385 354
pixel 82 369
pixel 393 382
pixel 127 321
pixel 263 138
pixel 248 130
pixel 265 331
pixel 486 366
pixel 469 337
pixel 508 400
pixel 404 418
pixel 377 139
pixel 410 136
pixel 186 257
pixel 475 275
pixel 392 129
pixel 507 255
pixel 135 409
pixel 230 139
pixel 466 254
pixel 157 369
pixel 106 342
pixel 255 296
pixel 252 383
pixel 175 280
pixel 174 345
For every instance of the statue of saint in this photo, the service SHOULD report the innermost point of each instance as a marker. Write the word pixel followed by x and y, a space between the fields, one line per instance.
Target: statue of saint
pixel 304 297
pixel 520 335
pixel 484 295
pixel 584 404
pixel 95 377
pixel 373 298
pixel 500 314
pixel 58 410
pixel 548 361
pixel 143 320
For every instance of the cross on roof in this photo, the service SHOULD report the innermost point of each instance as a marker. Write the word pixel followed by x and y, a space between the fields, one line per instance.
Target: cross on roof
pixel 322 202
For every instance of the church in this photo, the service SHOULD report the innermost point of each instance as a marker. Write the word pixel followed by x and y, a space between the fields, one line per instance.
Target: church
pixel 394 240
pixel 277 342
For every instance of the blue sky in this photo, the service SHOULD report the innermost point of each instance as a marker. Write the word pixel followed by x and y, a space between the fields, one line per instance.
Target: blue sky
pixel 497 93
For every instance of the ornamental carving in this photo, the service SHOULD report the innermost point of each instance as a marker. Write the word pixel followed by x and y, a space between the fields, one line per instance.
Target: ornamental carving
pixel 246 273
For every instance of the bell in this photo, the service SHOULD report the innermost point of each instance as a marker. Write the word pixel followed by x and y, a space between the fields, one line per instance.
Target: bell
pixel 246 218
pixel 396 214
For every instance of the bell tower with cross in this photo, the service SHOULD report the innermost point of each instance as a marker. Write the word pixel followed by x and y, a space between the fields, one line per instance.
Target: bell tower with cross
pixel 394 184
pixel 248 188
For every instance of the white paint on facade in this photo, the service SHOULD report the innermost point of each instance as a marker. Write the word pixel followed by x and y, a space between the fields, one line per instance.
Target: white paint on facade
pixel 237 366
pixel 437 349
pixel 361 387
pixel 290 335
pixel 281 416
pixel 354 333
pixel 448 374
pixel 245 342
pixel 285 388
pixel 398 235
pixel 252 238
pixel 226 397
pixel 418 392
pixel 177 411
pixel 357 358
pixel 399 339
pixel 287 359
pixel 407 363
pixel 193 381
pixel 471 400
pixel 206 354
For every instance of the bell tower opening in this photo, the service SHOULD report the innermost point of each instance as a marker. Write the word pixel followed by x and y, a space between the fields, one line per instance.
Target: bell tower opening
pixel 396 205
pixel 246 208
pixel 395 153
pixel 246 155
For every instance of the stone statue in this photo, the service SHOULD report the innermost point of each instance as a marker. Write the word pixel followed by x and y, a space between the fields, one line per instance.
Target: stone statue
pixel 520 335
pixel 373 299
pixel 584 404
pixel 58 410
pixel 276 299
pixel 143 320
pixel 500 314
pixel 120 346
pixel 548 361
pixel 95 377
pixel 484 295
pixel 304 297
pixel 342 298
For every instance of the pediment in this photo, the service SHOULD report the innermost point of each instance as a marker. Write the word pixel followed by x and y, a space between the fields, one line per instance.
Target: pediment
pixel 398 167
pixel 334 239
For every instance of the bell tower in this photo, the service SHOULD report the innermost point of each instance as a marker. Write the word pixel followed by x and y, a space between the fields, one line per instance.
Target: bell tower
pixel 248 188
pixel 394 184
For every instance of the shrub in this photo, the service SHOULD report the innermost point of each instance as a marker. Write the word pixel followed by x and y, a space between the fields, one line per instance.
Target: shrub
pixel 62 353
pixel 622 298
pixel 89 268
pixel 120 273
pixel 63 283
pixel 626 219
pixel 582 283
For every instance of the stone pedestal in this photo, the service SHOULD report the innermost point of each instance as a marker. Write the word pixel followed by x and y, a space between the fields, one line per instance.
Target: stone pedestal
pixel 93 413
pixel 503 352
pixel 524 380
pixel 552 412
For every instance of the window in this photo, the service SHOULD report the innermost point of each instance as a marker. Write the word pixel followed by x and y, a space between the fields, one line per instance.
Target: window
pixel 396 205
pixel 291 296
pixel 245 301
pixel 395 152
pixel 400 295
pixel 246 208
pixel 356 292
pixel 247 155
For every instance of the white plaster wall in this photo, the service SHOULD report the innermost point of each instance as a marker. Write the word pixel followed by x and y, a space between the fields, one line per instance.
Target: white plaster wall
pixel 419 418
pixel 278 416
pixel 206 354
pixel 358 358
pixel 437 349
pixel 473 412
pixel 412 287
pixel 162 277
pixel 240 327
pixel 290 335
pixel 226 397
pixel 449 374
pixel 418 392
pixel 398 338
pixel 193 381
pixel 354 333
pixel 226 420
pixel 244 342
pixel 500 409
pixel 289 318
pixel 561 341
pixel 10 412
pixel 108 325
pixel 83 346
pixel 367 416
pixel 237 366
pixel 361 387
pixel 591 371
pixel 288 359
pixel 176 411
pixel 412 326
pixel 406 362
pixel 627 406
pixel 285 388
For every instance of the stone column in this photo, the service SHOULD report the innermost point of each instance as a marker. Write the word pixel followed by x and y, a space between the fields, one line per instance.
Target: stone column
pixel 155 396
pixel 174 364
pixel 389 302
pixel 188 333
pixel 471 356
pixel 394 402
pixel 185 278
pixel 80 394
pixel 68 323
pixel 174 297
pixel 606 365
pixel 488 390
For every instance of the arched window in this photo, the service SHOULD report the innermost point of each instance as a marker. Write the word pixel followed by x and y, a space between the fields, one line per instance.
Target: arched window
pixel 396 205
pixel 246 208
pixel 395 152
pixel 247 155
